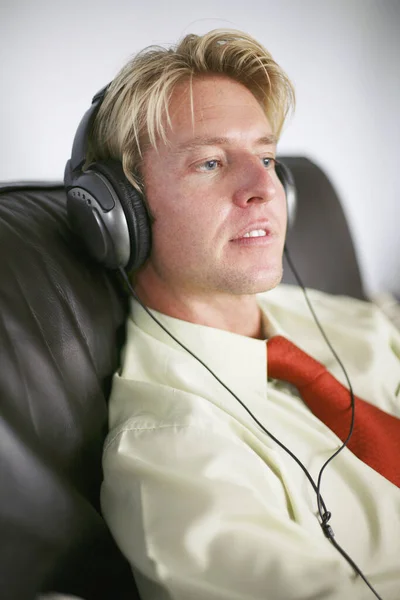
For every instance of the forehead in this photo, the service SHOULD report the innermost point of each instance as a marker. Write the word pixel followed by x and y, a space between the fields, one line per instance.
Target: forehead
pixel 213 105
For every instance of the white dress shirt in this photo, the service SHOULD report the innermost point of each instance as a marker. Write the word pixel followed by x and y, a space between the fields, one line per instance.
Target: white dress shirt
pixel 204 504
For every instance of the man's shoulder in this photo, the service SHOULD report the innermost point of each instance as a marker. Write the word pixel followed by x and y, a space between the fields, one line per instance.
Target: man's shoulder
pixel 287 293
pixel 342 316
pixel 291 299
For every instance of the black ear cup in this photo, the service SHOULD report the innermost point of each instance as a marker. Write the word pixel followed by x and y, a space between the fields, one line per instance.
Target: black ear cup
pixel 286 178
pixel 135 210
pixel 109 215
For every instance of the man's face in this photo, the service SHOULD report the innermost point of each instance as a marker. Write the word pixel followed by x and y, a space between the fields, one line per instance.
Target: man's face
pixel 208 187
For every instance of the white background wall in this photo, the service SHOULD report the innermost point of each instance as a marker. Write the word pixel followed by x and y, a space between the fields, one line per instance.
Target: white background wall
pixel 342 55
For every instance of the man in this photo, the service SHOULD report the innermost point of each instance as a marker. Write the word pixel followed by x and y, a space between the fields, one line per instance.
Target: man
pixel 201 500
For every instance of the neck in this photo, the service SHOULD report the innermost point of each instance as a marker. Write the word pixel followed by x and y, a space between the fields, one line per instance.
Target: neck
pixel 236 313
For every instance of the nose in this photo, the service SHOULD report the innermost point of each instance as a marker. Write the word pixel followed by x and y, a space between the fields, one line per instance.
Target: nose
pixel 254 182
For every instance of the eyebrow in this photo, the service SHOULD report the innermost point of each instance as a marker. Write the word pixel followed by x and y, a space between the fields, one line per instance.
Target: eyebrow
pixel 199 142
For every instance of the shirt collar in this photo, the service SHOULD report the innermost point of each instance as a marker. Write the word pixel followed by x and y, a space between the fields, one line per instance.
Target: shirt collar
pixel 237 360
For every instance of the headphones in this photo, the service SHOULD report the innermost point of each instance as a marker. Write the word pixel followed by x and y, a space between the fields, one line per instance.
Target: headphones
pixel 108 213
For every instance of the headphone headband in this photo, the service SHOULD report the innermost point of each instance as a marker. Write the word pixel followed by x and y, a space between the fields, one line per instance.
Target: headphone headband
pixel 79 148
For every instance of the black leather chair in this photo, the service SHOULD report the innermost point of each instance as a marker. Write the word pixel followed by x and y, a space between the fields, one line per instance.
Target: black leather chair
pixel 320 242
pixel 62 327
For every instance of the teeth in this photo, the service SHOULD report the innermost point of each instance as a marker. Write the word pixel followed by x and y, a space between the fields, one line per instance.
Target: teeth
pixel 256 233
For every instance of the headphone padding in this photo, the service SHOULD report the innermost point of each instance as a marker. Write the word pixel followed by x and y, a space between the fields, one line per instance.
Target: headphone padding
pixel 134 208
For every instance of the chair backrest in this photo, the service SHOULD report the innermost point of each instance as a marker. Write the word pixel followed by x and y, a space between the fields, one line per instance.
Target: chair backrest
pixel 320 243
pixel 62 326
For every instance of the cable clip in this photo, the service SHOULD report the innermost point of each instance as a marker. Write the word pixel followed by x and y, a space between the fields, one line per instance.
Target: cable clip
pixel 326 528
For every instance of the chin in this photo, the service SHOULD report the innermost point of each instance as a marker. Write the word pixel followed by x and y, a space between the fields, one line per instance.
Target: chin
pixel 247 284
pixel 267 285
pixel 267 280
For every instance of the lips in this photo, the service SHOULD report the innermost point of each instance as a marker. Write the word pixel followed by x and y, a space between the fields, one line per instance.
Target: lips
pixel 254 229
pixel 255 233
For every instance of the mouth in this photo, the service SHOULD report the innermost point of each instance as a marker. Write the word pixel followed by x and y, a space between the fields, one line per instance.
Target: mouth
pixel 257 234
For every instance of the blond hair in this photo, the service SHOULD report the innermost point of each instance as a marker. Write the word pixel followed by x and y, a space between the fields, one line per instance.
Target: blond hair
pixel 135 107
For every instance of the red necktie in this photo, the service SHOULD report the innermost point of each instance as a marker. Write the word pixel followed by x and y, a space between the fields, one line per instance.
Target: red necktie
pixel 376 434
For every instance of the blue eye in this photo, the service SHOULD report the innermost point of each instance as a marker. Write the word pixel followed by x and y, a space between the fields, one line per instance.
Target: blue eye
pixel 269 163
pixel 210 165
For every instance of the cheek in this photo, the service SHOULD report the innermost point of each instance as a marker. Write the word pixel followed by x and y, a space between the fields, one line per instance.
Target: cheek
pixel 187 230
pixel 175 223
pixel 188 216
pixel 184 206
